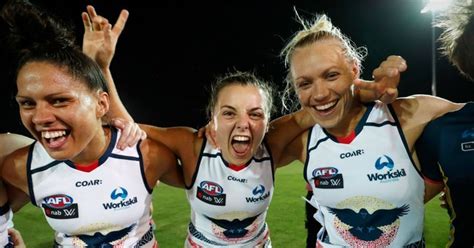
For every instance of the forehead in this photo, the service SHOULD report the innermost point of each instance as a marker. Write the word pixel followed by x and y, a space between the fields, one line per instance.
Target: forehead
pixel 237 94
pixel 47 78
pixel 317 56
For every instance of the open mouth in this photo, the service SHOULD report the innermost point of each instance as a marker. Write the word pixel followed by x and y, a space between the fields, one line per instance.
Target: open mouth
pixel 55 139
pixel 240 144
pixel 326 108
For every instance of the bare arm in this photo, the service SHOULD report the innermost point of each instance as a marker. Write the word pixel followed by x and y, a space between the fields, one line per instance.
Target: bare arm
pixel 99 43
pixel 161 164
pixel 283 135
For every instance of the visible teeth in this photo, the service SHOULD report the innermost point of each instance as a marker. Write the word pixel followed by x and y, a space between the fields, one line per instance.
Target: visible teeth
pixel 53 134
pixel 241 138
pixel 326 106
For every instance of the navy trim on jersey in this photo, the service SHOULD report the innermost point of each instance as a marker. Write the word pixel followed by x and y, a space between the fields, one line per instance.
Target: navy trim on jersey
pixel 45 167
pixel 402 137
pixel 103 158
pixel 118 156
pixel 308 141
pixel 5 208
pixel 142 169
pixel 360 125
pixel 271 159
pixel 219 154
pixel 29 174
pixel 201 154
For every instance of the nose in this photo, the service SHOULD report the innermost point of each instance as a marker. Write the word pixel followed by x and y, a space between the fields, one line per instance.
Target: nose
pixel 319 91
pixel 243 123
pixel 43 114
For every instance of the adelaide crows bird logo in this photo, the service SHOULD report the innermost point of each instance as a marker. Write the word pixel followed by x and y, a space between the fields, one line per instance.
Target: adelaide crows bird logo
pixel 104 241
pixel 365 226
pixel 234 228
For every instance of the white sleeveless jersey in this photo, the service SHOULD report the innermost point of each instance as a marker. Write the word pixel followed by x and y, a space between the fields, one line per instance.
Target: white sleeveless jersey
pixel 229 206
pixel 368 191
pixel 108 206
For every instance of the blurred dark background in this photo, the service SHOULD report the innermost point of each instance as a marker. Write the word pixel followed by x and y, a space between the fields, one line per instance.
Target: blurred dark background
pixel 171 51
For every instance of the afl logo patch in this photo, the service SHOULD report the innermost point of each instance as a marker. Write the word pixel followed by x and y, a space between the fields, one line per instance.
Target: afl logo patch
pixel 327 178
pixel 60 206
pixel 211 193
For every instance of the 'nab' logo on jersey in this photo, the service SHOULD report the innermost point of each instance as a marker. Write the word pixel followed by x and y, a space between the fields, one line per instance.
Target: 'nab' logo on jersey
pixel 60 206
pixel 391 175
pixel 327 178
pixel 467 138
pixel 120 194
pixel 211 193
pixel 258 194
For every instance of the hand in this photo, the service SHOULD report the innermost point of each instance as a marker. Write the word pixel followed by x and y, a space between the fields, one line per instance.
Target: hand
pixel 210 131
pixel 131 133
pixel 100 38
pixel 386 79
pixel 16 238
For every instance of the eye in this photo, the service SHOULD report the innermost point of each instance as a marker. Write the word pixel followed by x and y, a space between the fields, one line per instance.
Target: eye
pixel 228 114
pixel 26 104
pixel 60 101
pixel 256 115
pixel 331 76
pixel 303 84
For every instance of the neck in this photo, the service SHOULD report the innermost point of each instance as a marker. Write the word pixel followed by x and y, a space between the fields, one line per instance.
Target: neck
pixel 96 147
pixel 349 122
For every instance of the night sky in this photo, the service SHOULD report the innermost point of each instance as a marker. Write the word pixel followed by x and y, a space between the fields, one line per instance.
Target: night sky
pixel 181 47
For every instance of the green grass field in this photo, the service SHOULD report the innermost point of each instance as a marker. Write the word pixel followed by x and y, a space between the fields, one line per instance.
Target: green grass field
pixel 285 217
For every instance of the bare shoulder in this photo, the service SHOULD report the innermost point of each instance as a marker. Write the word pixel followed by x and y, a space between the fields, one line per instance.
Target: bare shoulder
pixel 10 142
pixel 14 168
pixel 424 107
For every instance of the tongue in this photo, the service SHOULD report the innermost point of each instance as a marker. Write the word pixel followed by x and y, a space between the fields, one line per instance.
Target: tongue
pixel 56 142
pixel 240 147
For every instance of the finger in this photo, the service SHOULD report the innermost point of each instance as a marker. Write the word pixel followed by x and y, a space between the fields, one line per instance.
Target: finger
pixel 201 132
pixel 135 135
pixel 86 21
pixel 108 34
pixel 122 143
pixel 99 23
pixel 120 23
pixel 92 15
pixel 365 84
pixel 118 123
pixel 143 135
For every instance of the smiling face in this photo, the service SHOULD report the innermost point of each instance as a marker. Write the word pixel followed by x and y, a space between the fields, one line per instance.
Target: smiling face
pixel 61 112
pixel 323 78
pixel 241 121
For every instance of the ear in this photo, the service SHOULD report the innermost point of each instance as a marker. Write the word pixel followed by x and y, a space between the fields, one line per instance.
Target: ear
pixel 355 70
pixel 102 103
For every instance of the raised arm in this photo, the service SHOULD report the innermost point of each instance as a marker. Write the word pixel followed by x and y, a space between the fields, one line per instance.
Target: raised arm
pixel 99 43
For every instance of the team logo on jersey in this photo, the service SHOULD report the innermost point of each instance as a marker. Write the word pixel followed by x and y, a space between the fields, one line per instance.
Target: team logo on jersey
pixel 388 174
pixel 467 143
pixel 60 206
pixel 258 194
pixel 327 178
pixel 119 200
pixel 364 221
pixel 234 230
pixel 211 193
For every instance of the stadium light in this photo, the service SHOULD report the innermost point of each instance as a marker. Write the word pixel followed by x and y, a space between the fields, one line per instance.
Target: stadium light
pixel 434 6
